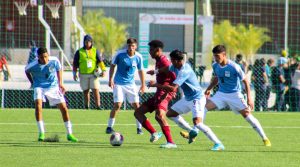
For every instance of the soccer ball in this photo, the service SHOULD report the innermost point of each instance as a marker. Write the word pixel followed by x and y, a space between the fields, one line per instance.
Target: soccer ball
pixel 116 139
pixel 98 72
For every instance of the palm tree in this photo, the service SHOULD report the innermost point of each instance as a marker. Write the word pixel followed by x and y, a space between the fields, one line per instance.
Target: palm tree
pixel 107 33
pixel 240 39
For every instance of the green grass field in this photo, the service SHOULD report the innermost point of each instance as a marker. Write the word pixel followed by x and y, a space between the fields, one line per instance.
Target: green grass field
pixel 19 146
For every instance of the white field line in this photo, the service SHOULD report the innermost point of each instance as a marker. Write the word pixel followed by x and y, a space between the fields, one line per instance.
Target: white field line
pixel 214 126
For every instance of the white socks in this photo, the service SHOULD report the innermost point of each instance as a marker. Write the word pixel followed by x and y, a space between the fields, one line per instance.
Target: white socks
pixel 111 122
pixel 208 133
pixel 181 123
pixel 256 126
pixel 138 124
pixel 41 127
pixel 68 126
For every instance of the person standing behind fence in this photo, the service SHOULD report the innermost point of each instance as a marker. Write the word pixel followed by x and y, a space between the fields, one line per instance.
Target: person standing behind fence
pixel 278 84
pixel 260 80
pixel 4 69
pixel 295 87
pixel 33 52
pixel 45 75
pixel 88 59
pixel 123 84
pixel 269 66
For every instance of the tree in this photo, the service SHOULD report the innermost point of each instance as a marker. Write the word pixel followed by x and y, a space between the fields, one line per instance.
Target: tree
pixel 107 33
pixel 240 39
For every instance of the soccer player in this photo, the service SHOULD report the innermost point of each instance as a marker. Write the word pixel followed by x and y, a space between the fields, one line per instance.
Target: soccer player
pixel 46 77
pixel 193 100
pixel 159 102
pixel 123 85
pixel 228 77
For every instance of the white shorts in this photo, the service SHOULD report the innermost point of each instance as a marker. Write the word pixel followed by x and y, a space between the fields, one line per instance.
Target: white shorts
pixel 54 95
pixel 196 106
pixel 235 101
pixel 123 92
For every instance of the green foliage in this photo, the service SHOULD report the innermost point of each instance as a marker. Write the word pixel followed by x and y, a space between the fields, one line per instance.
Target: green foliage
pixel 246 40
pixel 108 34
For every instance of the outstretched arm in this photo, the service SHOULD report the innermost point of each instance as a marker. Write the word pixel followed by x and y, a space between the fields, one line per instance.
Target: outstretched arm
pixel 213 83
pixel 142 78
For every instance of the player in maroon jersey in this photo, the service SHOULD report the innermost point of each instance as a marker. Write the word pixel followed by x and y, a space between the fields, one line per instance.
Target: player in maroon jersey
pixel 160 101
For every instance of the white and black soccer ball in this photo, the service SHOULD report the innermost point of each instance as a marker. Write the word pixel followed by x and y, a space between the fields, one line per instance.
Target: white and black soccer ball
pixel 98 72
pixel 116 139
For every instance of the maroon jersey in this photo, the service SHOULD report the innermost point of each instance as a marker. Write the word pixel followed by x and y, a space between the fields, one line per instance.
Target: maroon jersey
pixel 164 78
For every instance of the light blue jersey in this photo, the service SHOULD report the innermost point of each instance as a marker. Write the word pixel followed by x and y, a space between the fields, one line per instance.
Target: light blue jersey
pixel 229 77
pixel 44 75
pixel 126 67
pixel 187 80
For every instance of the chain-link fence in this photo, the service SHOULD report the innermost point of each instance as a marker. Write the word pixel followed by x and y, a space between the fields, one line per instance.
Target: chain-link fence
pixel 50 23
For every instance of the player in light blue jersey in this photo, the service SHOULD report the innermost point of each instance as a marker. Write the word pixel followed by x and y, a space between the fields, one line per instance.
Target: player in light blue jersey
pixel 128 62
pixel 193 100
pixel 45 76
pixel 228 75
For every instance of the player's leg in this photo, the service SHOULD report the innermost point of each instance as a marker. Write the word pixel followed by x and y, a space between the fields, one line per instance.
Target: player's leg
pixel 118 96
pixel 66 117
pixel 176 110
pixel 55 97
pixel 38 99
pixel 238 104
pixel 198 112
pixel 133 98
pixel 39 119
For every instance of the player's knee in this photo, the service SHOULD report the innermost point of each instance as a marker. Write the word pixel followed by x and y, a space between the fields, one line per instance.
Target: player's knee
pixel 159 116
pixel 117 106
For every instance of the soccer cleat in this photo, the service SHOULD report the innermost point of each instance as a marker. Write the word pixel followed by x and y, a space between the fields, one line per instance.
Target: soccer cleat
pixel 109 130
pixel 41 137
pixel 168 145
pixel 267 142
pixel 218 147
pixel 192 136
pixel 184 134
pixel 139 131
pixel 72 138
pixel 155 136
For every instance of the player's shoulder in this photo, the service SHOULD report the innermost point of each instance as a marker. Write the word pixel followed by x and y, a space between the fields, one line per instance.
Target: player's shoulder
pixel 138 54
pixel 53 59
pixel 31 65
pixel 214 64
pixel 234 65
pixel 121 52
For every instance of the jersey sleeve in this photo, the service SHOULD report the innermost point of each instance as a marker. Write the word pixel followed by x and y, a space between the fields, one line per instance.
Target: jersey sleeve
pixel 115 59
pixel 182 76
pixel 57 65
pixel 240 72
pixel 140 63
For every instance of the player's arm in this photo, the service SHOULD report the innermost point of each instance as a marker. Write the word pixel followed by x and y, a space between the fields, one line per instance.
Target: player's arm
pixel 213 83
pixel 60 82
pixel 248 93
pixel 142 78
pixel 100 63
pixel 111 75
pixel 75 65
pixel 170 88
pixel 29 77
pixel 161 70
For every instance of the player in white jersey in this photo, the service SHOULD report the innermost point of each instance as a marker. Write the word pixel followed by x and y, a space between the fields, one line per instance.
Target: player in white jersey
pixel 45 76
pixel 228 75
pixel 193 100
pixel 123 84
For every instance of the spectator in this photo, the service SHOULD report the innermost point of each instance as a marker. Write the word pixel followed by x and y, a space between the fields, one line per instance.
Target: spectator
pixel 4 70
pixel 88 59
pixel 269 67
pixel 259 79
pixel 33 52
pixel 278 84
pixel 239 60
pixel 294 91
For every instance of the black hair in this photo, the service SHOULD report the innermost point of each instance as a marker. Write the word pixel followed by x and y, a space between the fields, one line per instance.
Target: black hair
pixel 131 41
pixel 41 51
pixel 156 44
pixel 177 55
pixel 32 43
pixel 219 49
